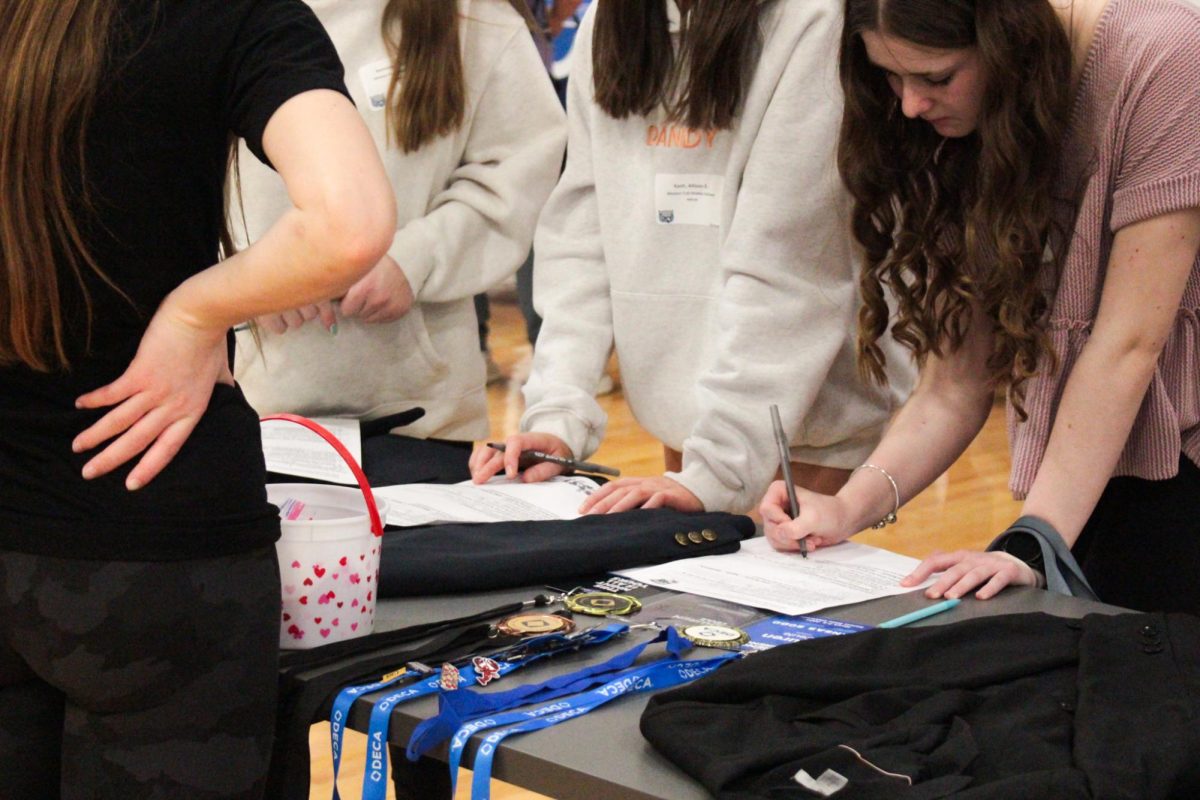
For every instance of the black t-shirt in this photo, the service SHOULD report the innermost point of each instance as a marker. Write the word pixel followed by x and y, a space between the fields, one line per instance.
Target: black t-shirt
pixel 183 77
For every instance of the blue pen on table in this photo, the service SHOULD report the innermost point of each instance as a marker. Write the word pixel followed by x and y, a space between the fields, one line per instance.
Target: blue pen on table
pixel 534 456
pixel 785 469
pixel 920 613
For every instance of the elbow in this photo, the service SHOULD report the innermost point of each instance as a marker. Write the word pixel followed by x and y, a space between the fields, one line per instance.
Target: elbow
pixel 1134 355
pixel 359 228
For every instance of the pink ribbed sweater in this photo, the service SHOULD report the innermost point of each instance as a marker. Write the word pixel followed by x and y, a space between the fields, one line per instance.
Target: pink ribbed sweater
pixel 1132 153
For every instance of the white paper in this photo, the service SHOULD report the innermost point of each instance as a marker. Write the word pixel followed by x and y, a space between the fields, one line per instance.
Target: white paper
pixel 757 575
pixel 292 449
pixel 498 500
pixel 688 199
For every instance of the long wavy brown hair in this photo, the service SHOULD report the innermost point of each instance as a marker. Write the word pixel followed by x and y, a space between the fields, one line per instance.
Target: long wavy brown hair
pixel 636 69
pixel 948 223
pixel 51 58
pixel 427 94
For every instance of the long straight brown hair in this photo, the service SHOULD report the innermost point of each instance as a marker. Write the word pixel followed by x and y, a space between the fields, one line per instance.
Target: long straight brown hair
pixel 636 69
pixel 427 94
pixel 51 55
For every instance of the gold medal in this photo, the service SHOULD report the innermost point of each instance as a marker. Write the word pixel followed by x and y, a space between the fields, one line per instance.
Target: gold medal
pixel 723 637
pixel 602 604
pixel 534 624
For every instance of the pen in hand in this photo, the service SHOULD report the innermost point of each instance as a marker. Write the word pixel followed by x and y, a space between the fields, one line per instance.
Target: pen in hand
pixel 785 469
pixel 534 456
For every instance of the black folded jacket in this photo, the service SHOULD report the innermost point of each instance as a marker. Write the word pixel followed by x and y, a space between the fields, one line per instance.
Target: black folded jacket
pixel 442 559
pixel 1017 706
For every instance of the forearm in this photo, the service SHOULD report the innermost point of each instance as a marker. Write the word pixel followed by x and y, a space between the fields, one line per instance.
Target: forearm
pixel 926 436
pixel 1093 422
pixel 302 259
pixel 1144 281
pixel 342 220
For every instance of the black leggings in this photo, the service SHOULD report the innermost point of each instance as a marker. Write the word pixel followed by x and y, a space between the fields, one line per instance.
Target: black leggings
pixel 137 679
pixel 1141 547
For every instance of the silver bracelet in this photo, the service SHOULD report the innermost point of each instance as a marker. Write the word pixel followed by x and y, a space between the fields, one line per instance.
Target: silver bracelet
pixel 890 517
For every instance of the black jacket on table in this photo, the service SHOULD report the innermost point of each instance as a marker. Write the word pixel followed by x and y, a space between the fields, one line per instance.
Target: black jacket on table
pixel 1019 706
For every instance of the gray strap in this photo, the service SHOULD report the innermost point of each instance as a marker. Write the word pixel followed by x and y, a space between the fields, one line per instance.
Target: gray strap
pixel 1063 573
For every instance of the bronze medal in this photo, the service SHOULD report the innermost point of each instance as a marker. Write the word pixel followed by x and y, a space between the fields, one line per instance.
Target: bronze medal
pixel 534 624
pixel 723 637
pixel 602 604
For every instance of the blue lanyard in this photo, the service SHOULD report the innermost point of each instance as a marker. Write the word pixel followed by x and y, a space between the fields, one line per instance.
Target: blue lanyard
pixel 508 660
pixel 341 710
pixel 656 676
pixel 455 709
pixel 375 774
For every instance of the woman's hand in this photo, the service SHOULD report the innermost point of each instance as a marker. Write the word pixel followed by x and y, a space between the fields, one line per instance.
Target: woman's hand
pixel 627 493
pixel 158 400
pixel 964 570
pixel 487 461
pixel 382 295
pixel 296 317
pixel 820 523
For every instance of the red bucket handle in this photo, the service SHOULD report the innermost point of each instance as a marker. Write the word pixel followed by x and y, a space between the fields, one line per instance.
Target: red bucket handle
pixel 372 509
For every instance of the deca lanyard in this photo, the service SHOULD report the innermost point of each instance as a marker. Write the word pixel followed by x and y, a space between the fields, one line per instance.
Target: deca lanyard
pixel 457 708
pixel 376 751
pixel 650 677
pixel 503 662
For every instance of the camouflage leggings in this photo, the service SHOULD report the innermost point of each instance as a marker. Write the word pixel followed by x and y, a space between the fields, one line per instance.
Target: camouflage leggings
pixel 137 680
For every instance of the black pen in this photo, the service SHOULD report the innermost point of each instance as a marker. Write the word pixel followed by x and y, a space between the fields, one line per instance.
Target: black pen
pixel 569 463
pixel 785 468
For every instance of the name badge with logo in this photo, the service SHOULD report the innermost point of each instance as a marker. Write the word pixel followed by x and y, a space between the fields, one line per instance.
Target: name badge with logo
pixel 376 77
pixel 688 199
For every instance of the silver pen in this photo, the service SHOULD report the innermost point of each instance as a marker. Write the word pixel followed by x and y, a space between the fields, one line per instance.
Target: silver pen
pixel 533 456
pixel 785 468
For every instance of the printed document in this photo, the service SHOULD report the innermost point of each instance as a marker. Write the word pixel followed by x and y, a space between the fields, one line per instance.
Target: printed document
pixel 292 449
pixel 498 500
pixel 758 575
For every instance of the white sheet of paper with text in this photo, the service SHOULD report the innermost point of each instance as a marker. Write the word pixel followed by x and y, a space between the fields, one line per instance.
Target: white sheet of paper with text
pixel 758 575
pixel 498 500
pixel 295 450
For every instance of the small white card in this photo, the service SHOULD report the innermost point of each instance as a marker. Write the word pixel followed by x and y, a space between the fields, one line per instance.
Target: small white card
pixel 688 199
pixel 292 449
pixel 376 77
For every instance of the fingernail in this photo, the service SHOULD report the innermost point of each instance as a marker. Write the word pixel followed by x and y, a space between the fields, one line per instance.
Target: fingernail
pixel 89 472
pixel 133 484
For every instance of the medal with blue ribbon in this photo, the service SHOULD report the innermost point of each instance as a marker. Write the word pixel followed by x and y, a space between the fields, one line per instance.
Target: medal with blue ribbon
pixel 463 713
pixel 429 682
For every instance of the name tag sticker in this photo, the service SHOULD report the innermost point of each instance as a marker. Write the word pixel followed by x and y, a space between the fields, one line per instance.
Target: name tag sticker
pixel 376 77
pixel 688 199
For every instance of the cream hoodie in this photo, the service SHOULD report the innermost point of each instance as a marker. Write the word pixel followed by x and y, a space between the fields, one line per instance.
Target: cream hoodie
pixel 467 203
pixel 721 266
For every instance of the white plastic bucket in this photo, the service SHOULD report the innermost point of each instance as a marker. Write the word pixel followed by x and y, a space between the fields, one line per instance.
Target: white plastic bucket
pixel 328 555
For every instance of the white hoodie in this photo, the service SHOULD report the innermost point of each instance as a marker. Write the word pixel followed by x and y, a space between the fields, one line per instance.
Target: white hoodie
pixel 721 266
pixel 467 203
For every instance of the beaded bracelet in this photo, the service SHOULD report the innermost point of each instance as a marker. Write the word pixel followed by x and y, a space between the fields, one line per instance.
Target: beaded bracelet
pixel 890 517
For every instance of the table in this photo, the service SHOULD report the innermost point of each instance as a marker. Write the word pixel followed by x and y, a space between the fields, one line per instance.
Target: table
pixel 602 756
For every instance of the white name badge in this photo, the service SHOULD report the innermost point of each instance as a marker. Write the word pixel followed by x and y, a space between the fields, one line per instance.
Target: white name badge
pixel 688 199
pixel 376 77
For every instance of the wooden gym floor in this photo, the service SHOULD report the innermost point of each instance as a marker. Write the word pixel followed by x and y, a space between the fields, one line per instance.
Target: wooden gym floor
pixel 966 507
